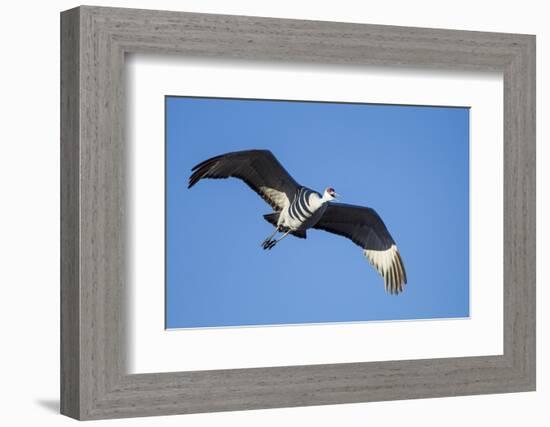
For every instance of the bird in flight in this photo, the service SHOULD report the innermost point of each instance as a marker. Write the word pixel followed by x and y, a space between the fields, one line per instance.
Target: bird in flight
pixel 298 208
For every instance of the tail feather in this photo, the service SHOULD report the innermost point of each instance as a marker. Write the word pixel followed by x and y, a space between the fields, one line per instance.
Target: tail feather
pixel 299 233
pixel 272 218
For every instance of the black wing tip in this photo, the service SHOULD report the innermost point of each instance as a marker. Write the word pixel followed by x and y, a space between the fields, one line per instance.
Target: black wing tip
pixel 230 154
pixel 195 177
pixel 207 162
pixel 200 170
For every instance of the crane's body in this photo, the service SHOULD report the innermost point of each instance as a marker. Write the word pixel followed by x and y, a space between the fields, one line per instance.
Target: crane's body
pixel 303 211
pixel 298 208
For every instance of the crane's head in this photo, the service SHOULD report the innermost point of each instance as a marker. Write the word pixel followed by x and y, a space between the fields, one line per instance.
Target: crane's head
pixel 330 194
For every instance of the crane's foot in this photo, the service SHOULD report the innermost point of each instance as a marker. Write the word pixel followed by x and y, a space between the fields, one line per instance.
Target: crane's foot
pixel 270 240
pixel 269 243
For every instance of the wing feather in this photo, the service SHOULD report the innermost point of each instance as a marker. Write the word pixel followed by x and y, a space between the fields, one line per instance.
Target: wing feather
pixel 259 169
pixel 366 229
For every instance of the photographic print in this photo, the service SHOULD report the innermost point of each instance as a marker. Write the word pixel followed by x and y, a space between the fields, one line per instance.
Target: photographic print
pixel 306 212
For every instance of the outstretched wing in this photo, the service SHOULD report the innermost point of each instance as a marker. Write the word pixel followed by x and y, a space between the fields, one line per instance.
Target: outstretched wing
pixel 366 229
pixel 260 169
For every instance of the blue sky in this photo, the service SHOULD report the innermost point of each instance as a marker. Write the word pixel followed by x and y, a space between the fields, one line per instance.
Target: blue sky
pixel 409 163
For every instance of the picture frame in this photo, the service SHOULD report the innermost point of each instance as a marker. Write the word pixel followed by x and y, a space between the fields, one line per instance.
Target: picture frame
pixel 94 380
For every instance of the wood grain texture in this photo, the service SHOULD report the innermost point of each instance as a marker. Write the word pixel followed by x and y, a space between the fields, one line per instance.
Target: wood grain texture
pixel 94 382
pixel 70 221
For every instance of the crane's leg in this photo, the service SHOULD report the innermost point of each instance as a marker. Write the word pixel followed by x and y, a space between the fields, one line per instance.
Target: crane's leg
pixel 268 239
pixel 272 243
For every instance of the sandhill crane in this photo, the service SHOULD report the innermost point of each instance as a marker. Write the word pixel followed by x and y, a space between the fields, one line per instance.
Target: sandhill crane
pixel 298 208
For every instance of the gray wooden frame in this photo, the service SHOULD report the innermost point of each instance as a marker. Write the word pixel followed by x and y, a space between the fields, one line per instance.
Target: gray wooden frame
pixel 94 382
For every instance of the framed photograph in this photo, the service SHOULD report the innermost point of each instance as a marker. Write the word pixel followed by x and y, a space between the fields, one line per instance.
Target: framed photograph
pixel 262 213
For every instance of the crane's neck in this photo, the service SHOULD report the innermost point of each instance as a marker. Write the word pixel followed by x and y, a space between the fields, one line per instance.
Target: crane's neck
pixel 326 198
pixel 317 201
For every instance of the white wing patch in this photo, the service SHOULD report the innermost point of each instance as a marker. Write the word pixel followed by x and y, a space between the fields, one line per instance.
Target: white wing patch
pixel 390 266
pixel 278 197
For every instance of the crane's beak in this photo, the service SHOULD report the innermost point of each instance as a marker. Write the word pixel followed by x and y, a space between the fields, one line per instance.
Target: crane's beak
pixel 336 195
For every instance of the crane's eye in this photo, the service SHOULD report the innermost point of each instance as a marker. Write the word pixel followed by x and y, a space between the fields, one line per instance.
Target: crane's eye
pixel 330 190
